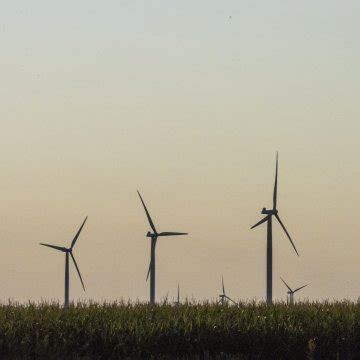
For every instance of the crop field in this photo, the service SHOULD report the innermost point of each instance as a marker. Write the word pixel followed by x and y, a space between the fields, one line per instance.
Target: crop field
pixel 187 331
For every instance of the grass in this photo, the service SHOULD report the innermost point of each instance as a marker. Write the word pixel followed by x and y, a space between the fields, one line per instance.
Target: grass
pixel 127 330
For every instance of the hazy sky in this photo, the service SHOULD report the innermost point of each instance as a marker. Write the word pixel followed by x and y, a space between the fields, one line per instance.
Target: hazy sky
pixel 188 102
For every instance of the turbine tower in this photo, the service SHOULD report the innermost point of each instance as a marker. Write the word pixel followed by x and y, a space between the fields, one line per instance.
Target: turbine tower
pixel 154 236
pixel 268 218
pixel 69 251
pixel 178 295
pixel 290 293
pixel 223 297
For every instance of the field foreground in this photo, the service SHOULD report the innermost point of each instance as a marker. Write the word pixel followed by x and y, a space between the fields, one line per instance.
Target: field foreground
pixel 188 331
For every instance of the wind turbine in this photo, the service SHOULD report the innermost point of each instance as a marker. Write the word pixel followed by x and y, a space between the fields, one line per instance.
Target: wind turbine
pixel 268 218
pixel 69 251
pixel 290 293
pixel 178 296
pixel 154 236
pixel 223 296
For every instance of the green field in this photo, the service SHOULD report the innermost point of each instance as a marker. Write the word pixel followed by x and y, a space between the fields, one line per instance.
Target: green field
pixel 119 330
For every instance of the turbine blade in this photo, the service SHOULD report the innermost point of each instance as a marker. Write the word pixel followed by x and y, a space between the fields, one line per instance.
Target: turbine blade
pixel 78 233
pixel 288 235
pixel 231 299
pixel 275 185
pixel 223 287
pixel 77 269
pixel 147 214
pixel 64 249
pixel 167 233
pixel 286 284
pixel 301 287
pixel 148 273
pixel 153 246
pixel 266 218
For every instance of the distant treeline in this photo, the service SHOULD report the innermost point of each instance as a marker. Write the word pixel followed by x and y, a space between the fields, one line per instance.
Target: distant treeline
pixel 188 331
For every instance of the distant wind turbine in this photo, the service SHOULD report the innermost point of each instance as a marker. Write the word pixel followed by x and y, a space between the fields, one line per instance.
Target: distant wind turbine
pixel 166 298
pixel 69 251
pixel 154 236
pixel 290 293
pixel 268 218
pixel 178 296
pixel 223 297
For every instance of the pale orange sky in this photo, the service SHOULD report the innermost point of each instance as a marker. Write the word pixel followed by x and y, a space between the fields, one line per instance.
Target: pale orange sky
pixel 189 106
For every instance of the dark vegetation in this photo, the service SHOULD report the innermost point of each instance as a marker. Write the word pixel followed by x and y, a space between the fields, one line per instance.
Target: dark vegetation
pixel 188 331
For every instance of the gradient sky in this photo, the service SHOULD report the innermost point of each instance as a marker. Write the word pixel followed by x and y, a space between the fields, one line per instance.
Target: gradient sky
pixel 187 102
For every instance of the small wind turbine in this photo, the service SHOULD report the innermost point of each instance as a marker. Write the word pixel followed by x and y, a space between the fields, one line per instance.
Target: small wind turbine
pixel 290 293
pixel 166 298
pixel 223 297
pixel 68 251
pixel 178 296
pixel 268 218
pixel 154 236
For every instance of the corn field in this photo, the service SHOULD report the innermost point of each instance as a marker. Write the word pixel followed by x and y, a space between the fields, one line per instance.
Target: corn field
pixel 327 330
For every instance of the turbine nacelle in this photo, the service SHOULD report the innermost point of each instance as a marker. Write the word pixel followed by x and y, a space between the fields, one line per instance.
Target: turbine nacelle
pixel 269 212
pixel 150 234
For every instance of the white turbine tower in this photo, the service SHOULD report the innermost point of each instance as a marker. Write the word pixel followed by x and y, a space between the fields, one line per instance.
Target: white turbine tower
pixel 290 293
pixel 223 297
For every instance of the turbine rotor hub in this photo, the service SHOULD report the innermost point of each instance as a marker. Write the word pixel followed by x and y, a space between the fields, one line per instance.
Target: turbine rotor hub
pixel 269 211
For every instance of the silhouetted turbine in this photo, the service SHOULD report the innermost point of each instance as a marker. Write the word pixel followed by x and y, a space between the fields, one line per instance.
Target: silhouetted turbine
pixel 268 218
pixel 290 293
pixel 68 251
pixel 154 236
pixel 223 296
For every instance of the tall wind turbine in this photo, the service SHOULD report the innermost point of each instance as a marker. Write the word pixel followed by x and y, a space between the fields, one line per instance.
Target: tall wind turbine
pixel 154 236
pixel 223 297
pixel 69 251
pixel 268 218
pixel 290 293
